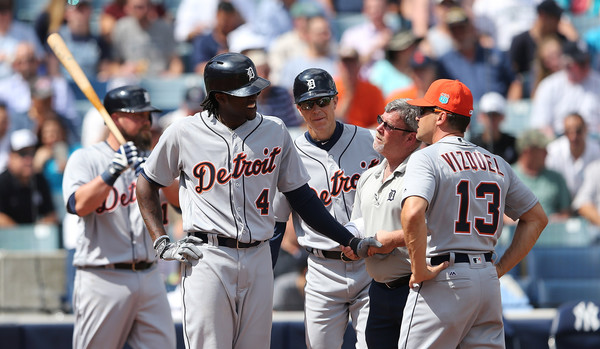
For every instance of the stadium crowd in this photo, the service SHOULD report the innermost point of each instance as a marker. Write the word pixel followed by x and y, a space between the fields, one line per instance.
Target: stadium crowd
pixel 544 54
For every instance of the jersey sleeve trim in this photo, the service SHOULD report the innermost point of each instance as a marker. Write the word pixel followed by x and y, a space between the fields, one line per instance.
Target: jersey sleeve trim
pixel 142 173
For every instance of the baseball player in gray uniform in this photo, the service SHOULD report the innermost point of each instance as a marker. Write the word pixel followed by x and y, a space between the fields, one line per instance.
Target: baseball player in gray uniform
pixel 455 195
pixel 230 161
pixel 335 155
pixel 119 295
pixel 378 205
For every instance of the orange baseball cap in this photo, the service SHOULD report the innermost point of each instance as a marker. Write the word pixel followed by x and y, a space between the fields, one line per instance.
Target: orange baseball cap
pixel 450 95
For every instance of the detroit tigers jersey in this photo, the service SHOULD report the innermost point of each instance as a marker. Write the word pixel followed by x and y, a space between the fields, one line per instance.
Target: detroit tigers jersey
pixel 467 185
pixel 334 175
pixel 115 232
pixel 378 203
pixel 233 189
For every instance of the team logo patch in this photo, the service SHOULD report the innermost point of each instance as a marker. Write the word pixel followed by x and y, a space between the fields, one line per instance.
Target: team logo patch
pixel 391 195
pixel 146 97
pixel 311 84
pixel 444 98
pixel 250 73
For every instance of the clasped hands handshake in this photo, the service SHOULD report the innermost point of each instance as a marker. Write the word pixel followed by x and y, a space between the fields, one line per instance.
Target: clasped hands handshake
pixel 358 248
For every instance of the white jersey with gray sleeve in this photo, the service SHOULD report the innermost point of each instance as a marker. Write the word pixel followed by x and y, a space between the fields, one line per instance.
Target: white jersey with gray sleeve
pixel 228 178
pixel 467 185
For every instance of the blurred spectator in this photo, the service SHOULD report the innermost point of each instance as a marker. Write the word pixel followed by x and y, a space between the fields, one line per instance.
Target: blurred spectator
pixel 548 186
pixel 91 53
pixel 206 46
pixel 343 7
pixel 359 101
pixel 320 53
pixel 294 42
pixel 26 197
pixel 51 154
pixel 587 200
pixel 394 72
pixel 192 104
pixel 273 18
pixel 571 153
pixel 547 61
pixel 273 100
pixel 524 45
pixel 423 73
pixel 370 38
pixel 576 88
pixel 4 136
pixel 13 32
pixel 492 109
pixel 437 40
pixel 581 8
pixel 482 69
pixel 115 10
pixel 502 20
pixel 41 104
pixel 16 91
pixel 50 19
pixel 145 44
pixel 190 22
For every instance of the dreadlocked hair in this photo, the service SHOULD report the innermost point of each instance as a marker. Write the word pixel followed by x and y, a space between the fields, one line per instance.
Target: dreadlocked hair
pixel 210 104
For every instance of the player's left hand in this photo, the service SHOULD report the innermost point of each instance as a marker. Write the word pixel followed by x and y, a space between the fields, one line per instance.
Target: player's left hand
pixel 386 238
pixel 139 162
pixel 428 274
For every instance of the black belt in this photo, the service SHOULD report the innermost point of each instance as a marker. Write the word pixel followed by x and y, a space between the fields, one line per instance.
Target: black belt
pixel 338 255
pixel 458 258
pixel 139 266
pixel 399 282
pixel 227 242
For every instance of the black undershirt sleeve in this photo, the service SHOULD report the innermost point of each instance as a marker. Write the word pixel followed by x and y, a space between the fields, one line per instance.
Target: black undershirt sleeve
pixel 306 203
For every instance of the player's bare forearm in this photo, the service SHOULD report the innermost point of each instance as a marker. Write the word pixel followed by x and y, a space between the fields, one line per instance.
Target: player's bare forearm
pixel 90 196
pixel 529 228
pixel 389 239
pixel 415 235
pixel 149 203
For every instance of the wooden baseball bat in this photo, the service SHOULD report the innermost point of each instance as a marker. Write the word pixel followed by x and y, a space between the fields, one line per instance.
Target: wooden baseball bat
pixel 63 53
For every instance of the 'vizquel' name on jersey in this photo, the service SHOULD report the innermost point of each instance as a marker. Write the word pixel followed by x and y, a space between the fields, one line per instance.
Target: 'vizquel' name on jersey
pixel 207 173
pixel 471 161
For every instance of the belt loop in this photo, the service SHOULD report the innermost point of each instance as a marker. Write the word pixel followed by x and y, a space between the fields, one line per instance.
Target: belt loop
pixel 133 266
pixel 452 257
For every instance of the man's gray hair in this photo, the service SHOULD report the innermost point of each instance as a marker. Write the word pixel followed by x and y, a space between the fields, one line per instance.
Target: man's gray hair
pixel 409 113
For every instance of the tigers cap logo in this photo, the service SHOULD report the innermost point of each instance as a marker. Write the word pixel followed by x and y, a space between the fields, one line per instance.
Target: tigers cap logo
pixel 444 98
pixel 311 84
pixel 250 73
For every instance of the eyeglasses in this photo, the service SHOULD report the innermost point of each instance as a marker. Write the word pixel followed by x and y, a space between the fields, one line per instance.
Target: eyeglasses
pixel 321 103
pixel 390 127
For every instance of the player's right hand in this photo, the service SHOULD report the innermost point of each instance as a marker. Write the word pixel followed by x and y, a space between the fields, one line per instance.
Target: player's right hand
pixel 124 157
pixel 184 250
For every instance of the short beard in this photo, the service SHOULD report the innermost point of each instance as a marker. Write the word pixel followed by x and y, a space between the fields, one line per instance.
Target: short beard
pixel 142 140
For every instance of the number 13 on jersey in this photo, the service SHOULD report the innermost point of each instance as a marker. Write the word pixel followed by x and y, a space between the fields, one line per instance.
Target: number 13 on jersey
pixel 484 206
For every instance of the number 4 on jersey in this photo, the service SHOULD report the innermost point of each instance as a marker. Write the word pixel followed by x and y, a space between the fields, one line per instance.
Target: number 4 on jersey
pixel 262 202
pixel 488 191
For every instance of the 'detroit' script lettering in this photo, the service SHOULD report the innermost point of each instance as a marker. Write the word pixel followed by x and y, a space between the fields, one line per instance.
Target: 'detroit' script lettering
pixel 208 174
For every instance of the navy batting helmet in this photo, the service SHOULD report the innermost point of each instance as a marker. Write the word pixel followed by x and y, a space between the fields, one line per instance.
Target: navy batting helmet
pixel 233 74
pixel 313 83
pixel 128 99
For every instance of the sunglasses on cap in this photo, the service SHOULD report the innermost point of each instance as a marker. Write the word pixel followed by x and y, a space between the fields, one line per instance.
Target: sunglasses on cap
pixel 390 127
pixel 321 103
pixel 25 152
